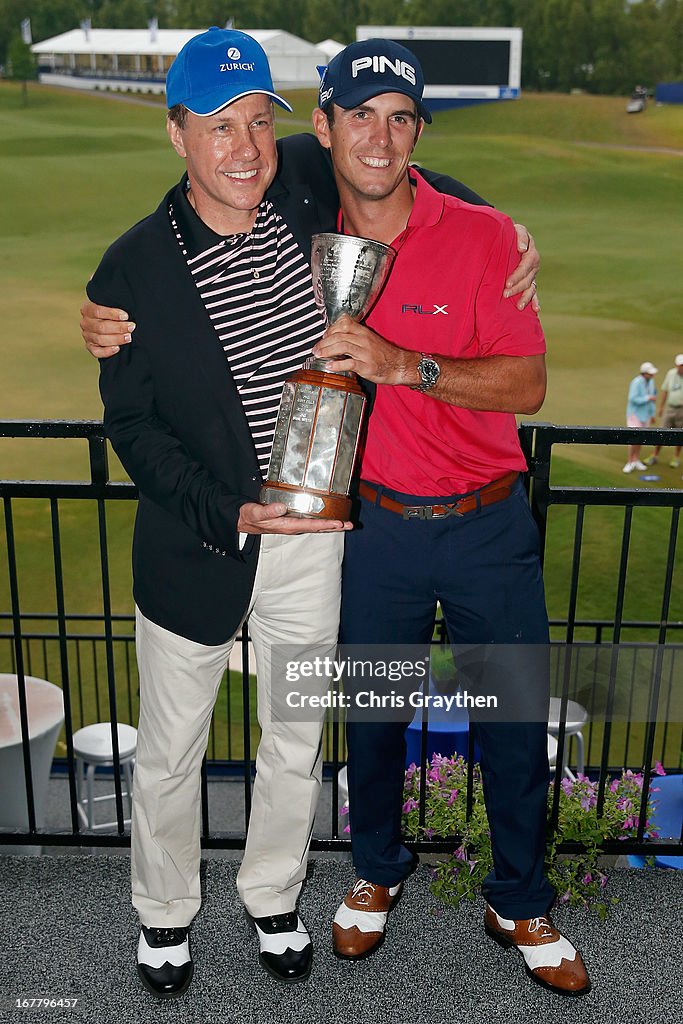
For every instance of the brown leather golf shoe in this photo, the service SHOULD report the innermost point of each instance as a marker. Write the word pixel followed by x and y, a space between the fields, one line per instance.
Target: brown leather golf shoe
pixel 361 920
pixel 550 959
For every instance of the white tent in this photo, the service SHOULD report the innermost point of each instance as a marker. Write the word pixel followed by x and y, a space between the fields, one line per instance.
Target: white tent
pixel 138 59
pixel 330 48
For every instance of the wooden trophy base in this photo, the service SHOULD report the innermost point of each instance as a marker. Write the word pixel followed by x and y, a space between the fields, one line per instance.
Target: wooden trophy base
pixel 306 502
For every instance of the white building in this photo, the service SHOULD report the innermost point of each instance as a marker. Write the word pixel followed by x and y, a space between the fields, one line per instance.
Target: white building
pixel 138 59
pixel 330 48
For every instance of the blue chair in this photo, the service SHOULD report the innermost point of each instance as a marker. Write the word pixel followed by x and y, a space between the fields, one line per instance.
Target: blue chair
pixel 447 737
pixel 448 732
pixel 667 819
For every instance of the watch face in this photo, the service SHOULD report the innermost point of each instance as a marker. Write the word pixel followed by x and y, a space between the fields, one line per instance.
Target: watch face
pixel 430 372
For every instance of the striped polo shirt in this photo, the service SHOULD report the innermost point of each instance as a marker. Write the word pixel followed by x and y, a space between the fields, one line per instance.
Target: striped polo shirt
pixel 258 293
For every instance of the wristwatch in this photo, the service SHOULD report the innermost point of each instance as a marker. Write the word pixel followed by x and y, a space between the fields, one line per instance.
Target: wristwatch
pixel 429 371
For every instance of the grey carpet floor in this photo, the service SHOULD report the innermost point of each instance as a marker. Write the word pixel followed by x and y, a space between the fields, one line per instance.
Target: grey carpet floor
pixel 68 930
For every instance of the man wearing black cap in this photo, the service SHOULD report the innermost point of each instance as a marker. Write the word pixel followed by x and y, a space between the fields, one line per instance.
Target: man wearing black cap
pixel 218 281
pixel 444 516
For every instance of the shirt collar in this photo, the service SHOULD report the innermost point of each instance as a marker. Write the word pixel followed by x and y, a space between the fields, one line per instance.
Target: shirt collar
pixel 197 236
pixel 428 206
pixel 427 209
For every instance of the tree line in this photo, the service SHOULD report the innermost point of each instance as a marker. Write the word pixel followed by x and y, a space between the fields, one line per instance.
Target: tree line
pixel 602 46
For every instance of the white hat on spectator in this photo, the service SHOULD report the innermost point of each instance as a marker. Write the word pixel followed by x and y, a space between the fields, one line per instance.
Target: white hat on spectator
pixel 649 368
pixel 679 359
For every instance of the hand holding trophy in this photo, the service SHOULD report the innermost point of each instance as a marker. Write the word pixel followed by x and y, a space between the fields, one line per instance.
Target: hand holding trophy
pixel 321 411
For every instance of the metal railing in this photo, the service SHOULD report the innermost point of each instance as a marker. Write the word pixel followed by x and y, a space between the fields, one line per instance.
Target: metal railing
pixel 91 655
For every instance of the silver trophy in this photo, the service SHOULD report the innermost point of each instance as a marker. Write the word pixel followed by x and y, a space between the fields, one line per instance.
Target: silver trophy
pixel 321 410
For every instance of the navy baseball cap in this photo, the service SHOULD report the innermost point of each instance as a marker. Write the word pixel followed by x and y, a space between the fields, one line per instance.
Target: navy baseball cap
pixel 368 68
pixel 216 68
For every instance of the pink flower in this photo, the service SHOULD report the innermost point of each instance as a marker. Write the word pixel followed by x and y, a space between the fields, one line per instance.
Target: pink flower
pixel 409 805
pixel 658 768
pixel 344 809
pixel 614 785
pixel 461 853
pixel 348 828
pixel 587 878
pixel 453 797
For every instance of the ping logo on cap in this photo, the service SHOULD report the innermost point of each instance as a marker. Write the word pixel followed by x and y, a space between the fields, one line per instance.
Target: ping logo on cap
pixel 380 64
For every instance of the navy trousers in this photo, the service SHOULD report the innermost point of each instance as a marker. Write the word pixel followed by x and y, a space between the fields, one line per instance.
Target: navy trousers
pixel 484 569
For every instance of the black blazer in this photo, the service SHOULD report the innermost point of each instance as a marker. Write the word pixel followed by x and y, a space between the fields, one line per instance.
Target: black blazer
pixel 175 419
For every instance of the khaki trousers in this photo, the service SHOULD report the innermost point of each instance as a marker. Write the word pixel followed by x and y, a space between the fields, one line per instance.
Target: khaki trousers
pixel 295 601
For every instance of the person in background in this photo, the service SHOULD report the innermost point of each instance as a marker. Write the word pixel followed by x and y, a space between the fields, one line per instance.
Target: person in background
pixel 640 408
pixel 671 409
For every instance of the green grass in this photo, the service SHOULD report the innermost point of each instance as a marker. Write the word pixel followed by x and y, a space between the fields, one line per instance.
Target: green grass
pixel 78 170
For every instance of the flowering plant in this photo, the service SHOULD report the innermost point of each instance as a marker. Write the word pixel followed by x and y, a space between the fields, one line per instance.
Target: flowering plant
pixel 577 879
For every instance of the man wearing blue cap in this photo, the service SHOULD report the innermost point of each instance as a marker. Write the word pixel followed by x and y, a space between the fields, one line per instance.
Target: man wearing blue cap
pixel 219 283
pixel 222 295
pixel 443 513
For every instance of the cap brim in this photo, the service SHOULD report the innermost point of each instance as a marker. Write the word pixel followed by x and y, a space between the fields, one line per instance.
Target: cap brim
pixel 357 96
pixel 213 102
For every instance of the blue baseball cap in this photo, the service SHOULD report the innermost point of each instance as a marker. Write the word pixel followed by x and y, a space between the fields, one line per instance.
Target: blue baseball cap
pixel 368 68
pixel 216 68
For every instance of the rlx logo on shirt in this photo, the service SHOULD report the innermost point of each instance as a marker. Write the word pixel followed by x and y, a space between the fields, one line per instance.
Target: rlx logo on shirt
pixel 421 311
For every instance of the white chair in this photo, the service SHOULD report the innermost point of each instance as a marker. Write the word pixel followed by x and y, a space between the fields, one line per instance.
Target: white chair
pixel 93 749
pixel 577 716
pixel 45 710
pixel 343 782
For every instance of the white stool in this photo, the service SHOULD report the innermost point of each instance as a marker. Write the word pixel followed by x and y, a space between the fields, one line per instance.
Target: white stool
pixel 343 782
pixel 577 716
pixel 93 748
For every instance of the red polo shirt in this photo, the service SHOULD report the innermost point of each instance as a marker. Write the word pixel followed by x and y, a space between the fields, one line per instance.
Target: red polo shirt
pixel 444 296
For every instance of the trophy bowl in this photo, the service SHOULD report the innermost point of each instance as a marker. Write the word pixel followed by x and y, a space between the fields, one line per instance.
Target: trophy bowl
pixel 348 274
pixel 321 411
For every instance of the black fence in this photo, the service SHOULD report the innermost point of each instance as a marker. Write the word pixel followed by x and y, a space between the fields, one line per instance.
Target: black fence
pixel 66 543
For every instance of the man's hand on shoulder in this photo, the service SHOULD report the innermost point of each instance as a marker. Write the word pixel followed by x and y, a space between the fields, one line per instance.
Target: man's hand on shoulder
pixel 273 518
pixel 522 281
pixel 104 329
